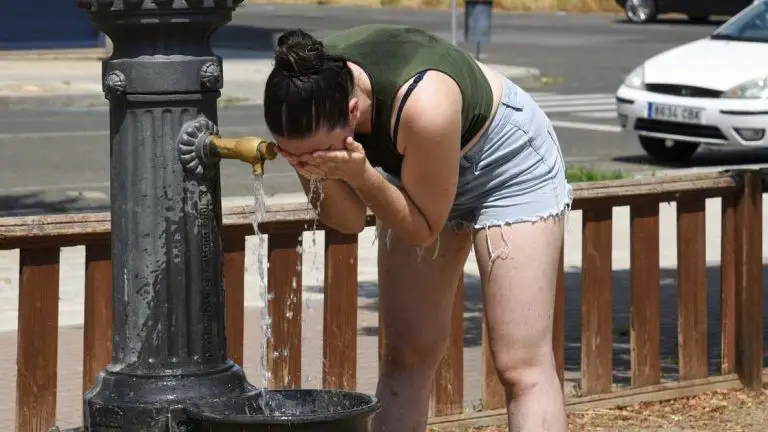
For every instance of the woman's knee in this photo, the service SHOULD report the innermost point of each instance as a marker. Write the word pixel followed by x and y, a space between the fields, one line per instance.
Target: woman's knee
pixel 415 352
pixel 522 369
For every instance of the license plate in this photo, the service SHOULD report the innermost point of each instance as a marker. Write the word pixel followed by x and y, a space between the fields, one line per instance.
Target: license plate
pixel 675 113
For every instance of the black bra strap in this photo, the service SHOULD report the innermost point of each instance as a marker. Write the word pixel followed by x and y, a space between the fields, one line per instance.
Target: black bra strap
pixel 407 94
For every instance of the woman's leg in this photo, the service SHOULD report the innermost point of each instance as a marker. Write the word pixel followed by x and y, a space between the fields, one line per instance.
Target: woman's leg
pixel 416 292
pixel 518 267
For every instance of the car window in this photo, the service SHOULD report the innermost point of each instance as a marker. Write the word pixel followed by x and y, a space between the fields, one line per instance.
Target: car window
pixel 750 25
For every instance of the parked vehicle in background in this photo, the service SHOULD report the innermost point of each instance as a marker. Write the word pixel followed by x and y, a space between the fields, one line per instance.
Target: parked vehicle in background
pixel 642 11
pixel 712 91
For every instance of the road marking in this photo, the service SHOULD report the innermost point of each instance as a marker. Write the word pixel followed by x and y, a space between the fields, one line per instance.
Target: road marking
pixel 594 105
pixel 601 101
pixel 537 95
pixel 566 97
pixel 598 127
pixel 569 109
pixel 598 114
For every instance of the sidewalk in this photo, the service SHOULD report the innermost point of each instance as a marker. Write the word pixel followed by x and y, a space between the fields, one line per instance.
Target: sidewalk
pixel 76 80
pixel 71 310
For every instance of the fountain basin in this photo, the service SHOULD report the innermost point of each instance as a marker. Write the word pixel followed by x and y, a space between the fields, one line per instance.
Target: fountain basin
pixel 301 410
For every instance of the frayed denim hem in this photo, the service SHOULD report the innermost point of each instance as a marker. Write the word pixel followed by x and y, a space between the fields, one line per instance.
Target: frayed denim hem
pixel 458 225
pixel 562 210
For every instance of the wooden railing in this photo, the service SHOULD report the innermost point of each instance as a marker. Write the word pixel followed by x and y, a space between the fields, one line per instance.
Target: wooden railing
pixel 741 298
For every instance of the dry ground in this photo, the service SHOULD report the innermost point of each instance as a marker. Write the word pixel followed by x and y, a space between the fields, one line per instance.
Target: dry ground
pixel 717 411
pixel 511 5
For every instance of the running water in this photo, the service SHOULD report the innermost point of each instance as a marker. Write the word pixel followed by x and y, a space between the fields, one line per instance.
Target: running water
pixel 259 212
pixel 314 268
pixel 268 402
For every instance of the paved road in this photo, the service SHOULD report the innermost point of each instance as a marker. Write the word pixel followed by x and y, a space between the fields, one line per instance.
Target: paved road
pixel 592 52
pixel 57 159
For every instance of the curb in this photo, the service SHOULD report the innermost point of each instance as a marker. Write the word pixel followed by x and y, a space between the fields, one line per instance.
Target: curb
pixel 75 100
pixel 55 54
pixel 93 100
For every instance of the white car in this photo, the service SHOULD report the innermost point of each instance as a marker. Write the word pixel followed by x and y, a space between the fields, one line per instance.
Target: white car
pixel 712 91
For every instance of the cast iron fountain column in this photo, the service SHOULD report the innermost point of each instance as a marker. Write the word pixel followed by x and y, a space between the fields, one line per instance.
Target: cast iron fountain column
pixel 169 345
pixel 169 370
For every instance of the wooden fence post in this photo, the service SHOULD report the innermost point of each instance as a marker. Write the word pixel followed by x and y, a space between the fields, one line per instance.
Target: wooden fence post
pixel 749 281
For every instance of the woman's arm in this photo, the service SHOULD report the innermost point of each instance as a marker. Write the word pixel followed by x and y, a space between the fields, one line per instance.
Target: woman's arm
pixel 337 204
pixel 430 132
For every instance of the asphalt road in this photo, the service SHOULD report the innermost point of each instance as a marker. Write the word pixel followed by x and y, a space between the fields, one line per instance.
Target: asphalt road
pixel 592 53
pixel 57 159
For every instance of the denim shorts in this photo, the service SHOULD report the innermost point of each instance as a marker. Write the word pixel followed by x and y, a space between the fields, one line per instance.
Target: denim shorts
pixel 515 172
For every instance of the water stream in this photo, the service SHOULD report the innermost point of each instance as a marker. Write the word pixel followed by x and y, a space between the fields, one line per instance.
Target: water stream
pixel 314 268
pixel 268 404
pixel 260 211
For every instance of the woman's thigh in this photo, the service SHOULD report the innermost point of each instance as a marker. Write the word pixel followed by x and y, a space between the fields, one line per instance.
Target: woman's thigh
pixel 518 266
pixel 416 292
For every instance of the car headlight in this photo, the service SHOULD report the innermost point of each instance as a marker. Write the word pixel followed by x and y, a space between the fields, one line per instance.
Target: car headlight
pixel 754 89
pixel 636 78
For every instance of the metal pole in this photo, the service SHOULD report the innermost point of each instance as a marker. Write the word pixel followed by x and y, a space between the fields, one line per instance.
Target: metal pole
pixel 454 25
pixel 169 345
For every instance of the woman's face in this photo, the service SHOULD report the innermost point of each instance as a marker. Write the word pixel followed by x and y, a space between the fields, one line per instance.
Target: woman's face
pixel 323 139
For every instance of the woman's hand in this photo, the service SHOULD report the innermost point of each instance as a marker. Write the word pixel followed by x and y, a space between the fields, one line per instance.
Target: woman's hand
pixel 347 164
pixel 308 172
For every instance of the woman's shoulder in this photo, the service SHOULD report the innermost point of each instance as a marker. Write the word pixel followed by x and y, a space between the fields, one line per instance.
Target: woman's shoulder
pixel 434 87
pixel 433 104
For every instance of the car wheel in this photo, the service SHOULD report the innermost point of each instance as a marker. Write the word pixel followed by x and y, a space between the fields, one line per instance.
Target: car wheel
pixel 640 11
pixel 668 151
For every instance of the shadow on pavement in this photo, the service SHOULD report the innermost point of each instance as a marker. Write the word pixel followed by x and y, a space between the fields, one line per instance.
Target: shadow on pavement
pixel 246 37
pixel 621 320
pixel 28 204
pixel 712 22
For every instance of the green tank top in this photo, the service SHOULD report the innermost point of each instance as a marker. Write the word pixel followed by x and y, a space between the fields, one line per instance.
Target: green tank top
pixel 391 55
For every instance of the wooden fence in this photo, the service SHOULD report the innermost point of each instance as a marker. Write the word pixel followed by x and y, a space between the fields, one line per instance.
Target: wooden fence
pixel 741 298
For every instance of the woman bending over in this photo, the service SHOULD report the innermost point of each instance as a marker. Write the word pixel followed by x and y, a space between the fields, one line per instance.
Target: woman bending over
pixel 447 154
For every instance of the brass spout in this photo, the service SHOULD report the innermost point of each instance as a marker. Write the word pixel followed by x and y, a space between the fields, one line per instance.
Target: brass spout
pixel 253 150
pixel 201 148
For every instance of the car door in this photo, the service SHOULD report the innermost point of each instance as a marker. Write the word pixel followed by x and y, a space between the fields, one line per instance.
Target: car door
pixel 728 7
pixel 703 8
pixel 688 7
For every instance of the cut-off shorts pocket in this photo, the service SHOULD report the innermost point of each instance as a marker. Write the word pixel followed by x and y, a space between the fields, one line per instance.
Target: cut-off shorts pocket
pixel 544 146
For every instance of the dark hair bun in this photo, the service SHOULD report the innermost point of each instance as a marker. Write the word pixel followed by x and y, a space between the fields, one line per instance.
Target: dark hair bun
pixel 299 53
